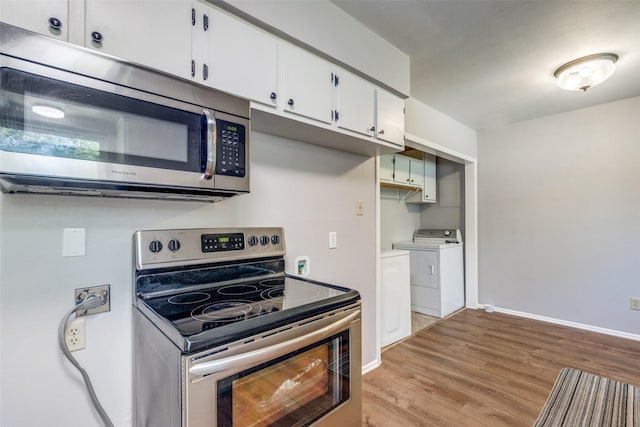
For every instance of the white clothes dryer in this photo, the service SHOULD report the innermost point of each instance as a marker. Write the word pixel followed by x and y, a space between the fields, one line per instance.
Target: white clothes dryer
pixel 437 271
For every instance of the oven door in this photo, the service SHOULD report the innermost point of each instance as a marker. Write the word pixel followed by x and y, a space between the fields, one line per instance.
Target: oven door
pixel 58 124
pixel 307 375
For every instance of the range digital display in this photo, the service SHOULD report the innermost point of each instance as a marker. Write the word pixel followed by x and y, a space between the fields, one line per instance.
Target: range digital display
pixel 222 242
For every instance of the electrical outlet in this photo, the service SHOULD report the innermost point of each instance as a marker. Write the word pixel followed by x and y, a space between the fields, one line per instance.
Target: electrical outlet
pixel 635 303
pixel 74 335
pixel 82 293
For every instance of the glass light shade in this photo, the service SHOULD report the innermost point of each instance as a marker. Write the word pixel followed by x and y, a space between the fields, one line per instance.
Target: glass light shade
pixel 586 72
pixel 47 111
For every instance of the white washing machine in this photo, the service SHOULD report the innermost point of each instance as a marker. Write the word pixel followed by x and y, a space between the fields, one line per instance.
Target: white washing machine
pixel 437 271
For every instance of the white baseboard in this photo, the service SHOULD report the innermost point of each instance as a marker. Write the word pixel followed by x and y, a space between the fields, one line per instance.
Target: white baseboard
pixel 591 328
pixel 371 366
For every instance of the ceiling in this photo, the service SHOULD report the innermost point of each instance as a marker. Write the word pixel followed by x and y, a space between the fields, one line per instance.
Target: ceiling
pixel 487 63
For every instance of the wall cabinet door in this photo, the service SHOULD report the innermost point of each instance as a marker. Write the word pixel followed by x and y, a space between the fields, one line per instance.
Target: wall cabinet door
pixel 242 59
pixel 48 17
pixel 155 34
pixel 389 117
pixel 307 84
pixel 429 187
pixel 416 173
pixel 386 168
pixel 356 104
pixel 401 174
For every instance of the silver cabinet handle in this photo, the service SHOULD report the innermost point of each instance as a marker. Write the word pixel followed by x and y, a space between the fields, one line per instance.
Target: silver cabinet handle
pixel 212 140
pixel 256 357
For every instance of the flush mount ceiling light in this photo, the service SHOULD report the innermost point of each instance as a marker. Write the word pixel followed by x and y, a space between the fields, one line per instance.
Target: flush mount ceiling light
pixel 48 111
pixel 586 72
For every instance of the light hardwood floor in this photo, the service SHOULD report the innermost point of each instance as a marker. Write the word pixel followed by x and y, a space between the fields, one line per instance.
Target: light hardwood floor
pixel 486 369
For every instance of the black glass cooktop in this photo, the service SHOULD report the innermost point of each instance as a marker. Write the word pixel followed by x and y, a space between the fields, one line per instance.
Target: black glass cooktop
pixel 216 307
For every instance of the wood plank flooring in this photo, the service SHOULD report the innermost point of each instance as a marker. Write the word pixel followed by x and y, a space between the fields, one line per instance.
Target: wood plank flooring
pixel 486 369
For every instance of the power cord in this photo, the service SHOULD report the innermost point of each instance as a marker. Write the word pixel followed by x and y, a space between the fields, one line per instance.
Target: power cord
pixel 92 301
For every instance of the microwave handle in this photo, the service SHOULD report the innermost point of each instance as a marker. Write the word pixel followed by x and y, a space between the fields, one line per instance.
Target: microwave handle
pixel 261 355
pixel 212 140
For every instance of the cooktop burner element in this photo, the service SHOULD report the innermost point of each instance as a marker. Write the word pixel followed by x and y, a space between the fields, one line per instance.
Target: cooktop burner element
pixel 201 295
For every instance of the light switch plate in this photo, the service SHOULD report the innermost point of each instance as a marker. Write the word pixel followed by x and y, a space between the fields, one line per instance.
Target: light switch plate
pixel 73 242
pixel 333 240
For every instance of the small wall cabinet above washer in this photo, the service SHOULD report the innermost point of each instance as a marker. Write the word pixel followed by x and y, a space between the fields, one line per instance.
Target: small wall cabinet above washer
pixel 415 173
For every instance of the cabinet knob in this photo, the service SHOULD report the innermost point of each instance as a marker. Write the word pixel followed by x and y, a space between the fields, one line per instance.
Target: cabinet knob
pixel 273 96
pixel 381 132
pixel 96 37
pixel 55 23
pixel 290 102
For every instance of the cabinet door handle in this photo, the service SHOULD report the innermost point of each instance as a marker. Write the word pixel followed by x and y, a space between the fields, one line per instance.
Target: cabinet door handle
pixel 96 37
pixel 193 17
pixel 290 102
pixel 372 129
pixel 193 68
pixel 381 132
pixel 273 96
pixel 55 23
pixel 205 22
pixel 205 72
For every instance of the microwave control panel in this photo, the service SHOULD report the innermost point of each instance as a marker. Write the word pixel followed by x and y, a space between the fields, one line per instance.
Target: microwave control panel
pixel 231 151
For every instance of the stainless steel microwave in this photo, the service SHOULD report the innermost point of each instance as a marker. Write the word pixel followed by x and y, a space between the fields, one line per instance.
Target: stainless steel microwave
pixel 75 121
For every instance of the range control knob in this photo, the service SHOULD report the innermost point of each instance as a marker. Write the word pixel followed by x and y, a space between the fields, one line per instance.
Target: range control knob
pixel 252 240
pixel 155 246
pixel 275 239
pixel 264 240
pixel 174 245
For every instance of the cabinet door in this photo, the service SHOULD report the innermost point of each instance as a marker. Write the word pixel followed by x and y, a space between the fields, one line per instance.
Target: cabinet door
pixel 356 104
pixel 429 187
pixel 242 59
pixel 416 173
pixel 200 30
pixel 390 117
pixel 401 169
pixel 386 168
pixel 152 33
pixel 307 84
pixel 48 17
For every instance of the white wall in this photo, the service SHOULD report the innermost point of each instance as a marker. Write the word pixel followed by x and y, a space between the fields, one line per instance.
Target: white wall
pixel 307 189
pixel 429 124
pixel 448 211
pixel 398 220
pixel 559 220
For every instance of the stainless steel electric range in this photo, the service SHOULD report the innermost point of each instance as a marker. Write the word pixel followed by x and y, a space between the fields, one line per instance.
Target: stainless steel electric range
pixel 224 337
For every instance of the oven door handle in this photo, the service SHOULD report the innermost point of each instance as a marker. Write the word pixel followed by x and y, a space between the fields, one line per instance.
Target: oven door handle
pixel 212 140
pixel 255 357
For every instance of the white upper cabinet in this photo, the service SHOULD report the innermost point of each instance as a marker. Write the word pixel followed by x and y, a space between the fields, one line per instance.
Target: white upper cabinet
pixel 307 84
pixel 389 117
pixel 242 58
pixel 368 110
pixel 48 17
pixel 356 104
pixel 430 183
pixel 401 170
pixel 156 34
pixel 386 168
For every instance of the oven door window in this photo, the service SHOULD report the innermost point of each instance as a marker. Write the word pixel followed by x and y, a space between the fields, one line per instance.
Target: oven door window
pixel 44 116
pixel 293 390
